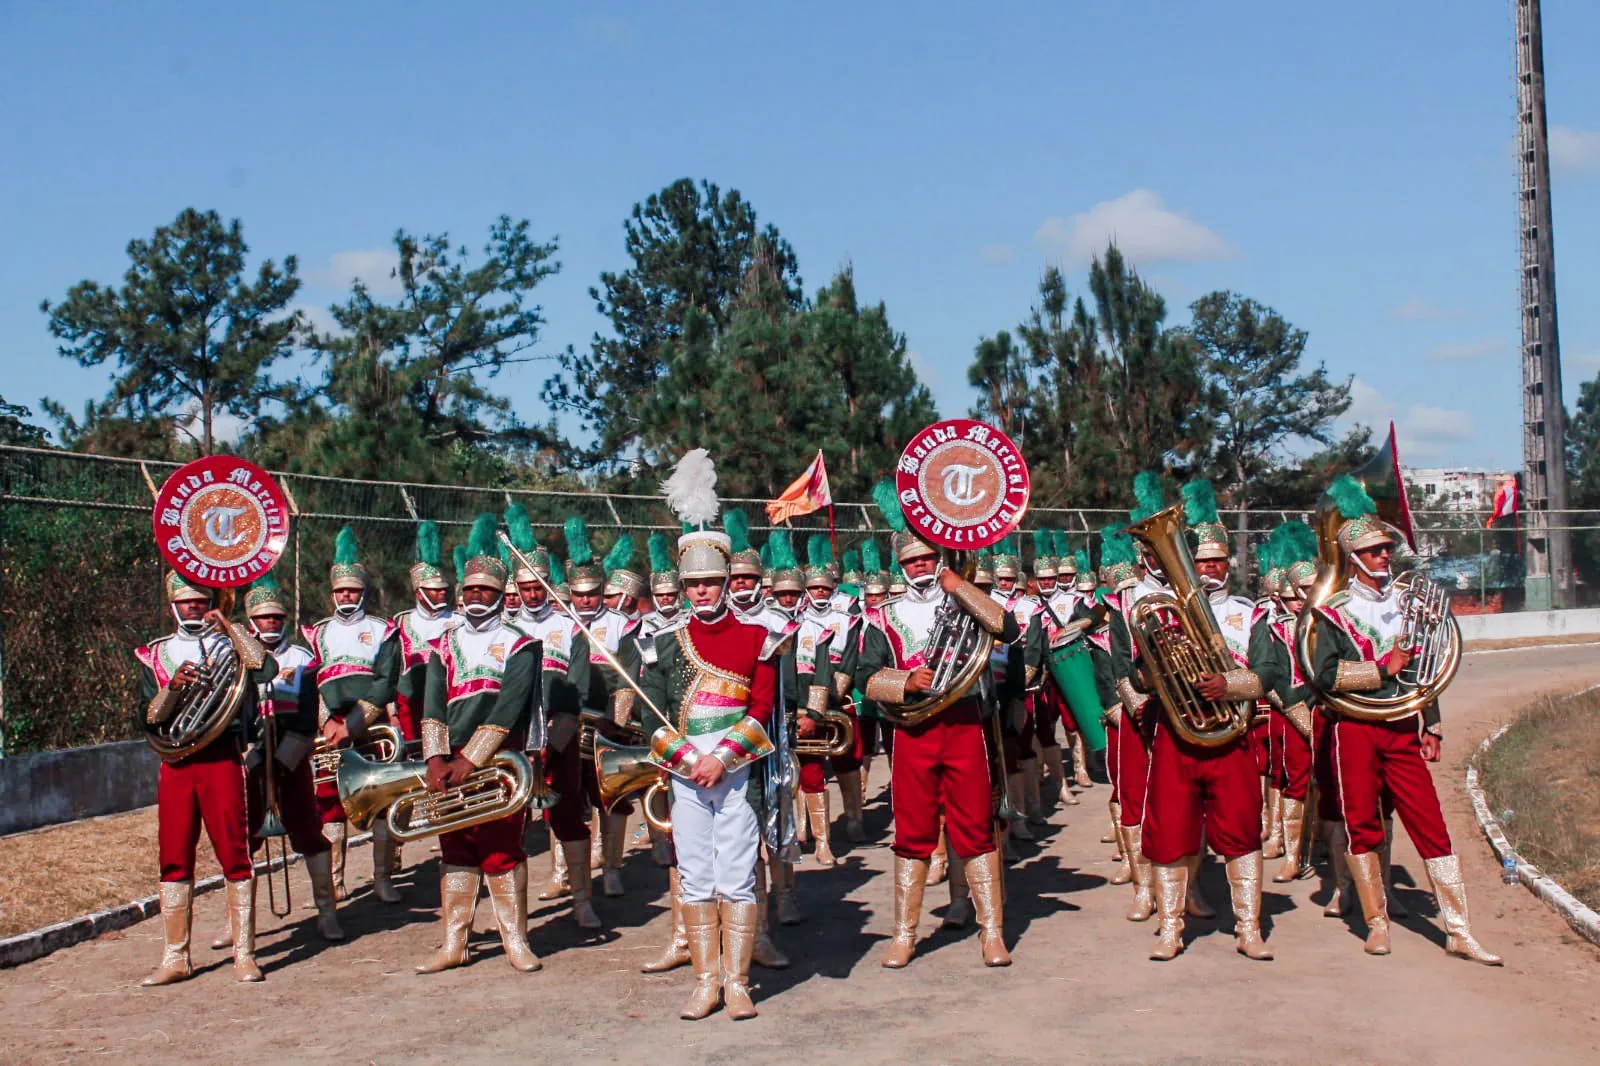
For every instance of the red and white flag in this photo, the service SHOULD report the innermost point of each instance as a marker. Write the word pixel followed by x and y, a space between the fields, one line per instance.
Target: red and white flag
pixel 807 493
pixel 1505 501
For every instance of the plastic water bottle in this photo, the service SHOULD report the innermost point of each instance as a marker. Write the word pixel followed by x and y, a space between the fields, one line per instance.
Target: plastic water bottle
pixel 1508 869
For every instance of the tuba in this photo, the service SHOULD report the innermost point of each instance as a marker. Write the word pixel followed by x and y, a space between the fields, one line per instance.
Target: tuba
pixel 957 652
pixel 1428 627
pixel 835 735
pixel 381 744
pixel 1176 657
pixel 208 706
pixel 368 789
pixel 622 770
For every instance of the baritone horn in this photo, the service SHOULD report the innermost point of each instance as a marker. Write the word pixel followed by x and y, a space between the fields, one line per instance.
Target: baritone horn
pixel 1428 627
pixel 1177 656
pixel 835 735
pixel 382 743
pixel 505 785
pixel 208 705
pixel 621 770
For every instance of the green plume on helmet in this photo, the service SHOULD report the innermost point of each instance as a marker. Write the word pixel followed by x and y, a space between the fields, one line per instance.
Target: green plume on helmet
pixel 579 551
pixel 985 559
pixel 1082 556
pixel 888 501
pixel 519 527
pixel 428 550
pixel 1008 546
pixel 267 582
pixel 1043 544
pixel 1060 546
pixel 660 549
pixel 482 541
pixel 1147 495
pixel 1351 499
pixel 766 555
pixel 736 524
pixel 345 548
pixel 871 556
pixel 852 561
pixel 1268 553
pixel 458 555
pixel 782 544
pixel 819 551
pixel 558 572
pixel 894 566
pixel 621 554
pixel 1116 546
pixel 1297 543
pixel 1199 503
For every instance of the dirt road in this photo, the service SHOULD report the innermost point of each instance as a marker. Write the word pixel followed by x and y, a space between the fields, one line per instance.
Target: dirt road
pixel 1081 988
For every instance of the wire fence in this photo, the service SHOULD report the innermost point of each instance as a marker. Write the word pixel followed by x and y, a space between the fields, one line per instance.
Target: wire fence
pixel 80 576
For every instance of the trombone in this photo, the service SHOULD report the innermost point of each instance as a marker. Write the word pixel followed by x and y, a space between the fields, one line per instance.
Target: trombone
pixel 272 827
pixel 595 645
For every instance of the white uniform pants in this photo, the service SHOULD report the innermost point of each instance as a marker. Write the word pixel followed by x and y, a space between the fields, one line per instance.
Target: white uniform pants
pixel 717 837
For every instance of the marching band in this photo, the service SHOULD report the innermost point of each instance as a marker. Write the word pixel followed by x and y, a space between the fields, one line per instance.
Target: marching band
pixel 723 690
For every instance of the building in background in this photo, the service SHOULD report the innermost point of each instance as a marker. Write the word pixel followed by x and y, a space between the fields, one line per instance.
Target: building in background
pixel 1454 488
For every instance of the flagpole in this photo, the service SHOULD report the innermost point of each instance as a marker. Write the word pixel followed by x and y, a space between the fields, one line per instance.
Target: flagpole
pixel 833 534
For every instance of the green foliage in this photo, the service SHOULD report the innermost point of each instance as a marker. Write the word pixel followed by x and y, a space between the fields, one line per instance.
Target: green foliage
pixel 690 250
pixel 405 383
pixel 1001 373
pixel 14 429
pixel 187 330
pixel 1257 400
pixel 1583 491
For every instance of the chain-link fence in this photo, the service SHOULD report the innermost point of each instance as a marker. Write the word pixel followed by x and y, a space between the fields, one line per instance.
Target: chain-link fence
pixel 80 576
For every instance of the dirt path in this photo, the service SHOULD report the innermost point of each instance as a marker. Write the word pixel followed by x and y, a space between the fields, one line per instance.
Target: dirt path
pixel 1081 988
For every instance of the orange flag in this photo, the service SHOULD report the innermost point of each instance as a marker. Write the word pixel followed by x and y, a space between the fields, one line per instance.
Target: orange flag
pixel 809 492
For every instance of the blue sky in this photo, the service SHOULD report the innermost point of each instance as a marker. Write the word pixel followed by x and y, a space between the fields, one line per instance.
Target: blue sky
pixel 1345 164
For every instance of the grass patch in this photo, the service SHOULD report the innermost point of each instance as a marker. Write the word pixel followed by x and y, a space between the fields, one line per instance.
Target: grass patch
pixel 1545 771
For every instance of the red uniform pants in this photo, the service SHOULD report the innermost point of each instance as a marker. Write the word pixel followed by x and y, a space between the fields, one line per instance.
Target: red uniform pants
pixel 408 717
pixel 1133 766
pixel 1200 794
pixel 942 764
pixel 564 770
pixel 205 789
pixel 877 735
pixel 1378 761
pixel 1322 765
pixel 1113 739
pixel 297 806
pixel 1291 757
pixel 1047 714
pixel 493 847
pixel 1261 744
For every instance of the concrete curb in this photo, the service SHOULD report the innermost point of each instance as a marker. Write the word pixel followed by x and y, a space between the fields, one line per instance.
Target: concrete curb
pixel 1583 920
pixel 26 947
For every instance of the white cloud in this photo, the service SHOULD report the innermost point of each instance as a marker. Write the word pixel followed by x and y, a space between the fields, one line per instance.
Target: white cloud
pixel 1573 152
pixel 1141 225
pixel 1467 351
pixel 1423 431
pixel 372 266
pixel 1421 309
pixel 996 254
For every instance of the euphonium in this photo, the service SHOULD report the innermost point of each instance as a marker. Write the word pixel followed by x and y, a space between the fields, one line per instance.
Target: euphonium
pixel 835 735
pixel 367 789
pixel 207 706
pixel 1429 628
pixel 1177 656
pixel 621 770
pixel 381 743
pixel 957 652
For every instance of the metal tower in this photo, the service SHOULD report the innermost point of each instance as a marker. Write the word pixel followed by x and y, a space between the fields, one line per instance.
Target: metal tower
pixel 1544 424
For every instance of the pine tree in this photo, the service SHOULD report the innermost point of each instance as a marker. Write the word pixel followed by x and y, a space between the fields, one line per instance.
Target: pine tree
pixel 690 249
pixel 186 329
